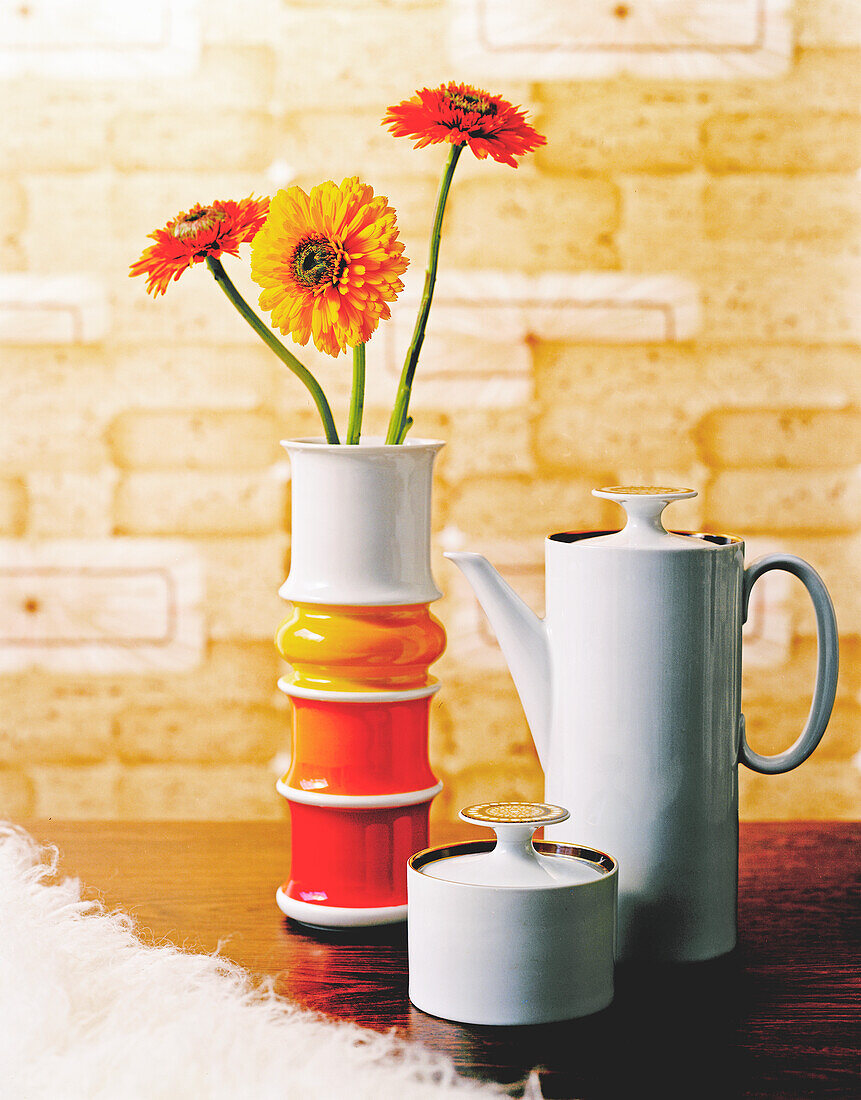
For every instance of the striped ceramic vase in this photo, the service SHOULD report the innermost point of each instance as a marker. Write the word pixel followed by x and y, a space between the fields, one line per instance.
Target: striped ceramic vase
pixel 360 640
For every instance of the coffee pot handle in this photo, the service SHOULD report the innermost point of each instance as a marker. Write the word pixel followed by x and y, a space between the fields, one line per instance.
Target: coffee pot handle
pixel 825 688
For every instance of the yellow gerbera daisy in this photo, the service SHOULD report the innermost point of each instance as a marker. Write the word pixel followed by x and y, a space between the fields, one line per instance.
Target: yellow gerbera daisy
pixel 329 263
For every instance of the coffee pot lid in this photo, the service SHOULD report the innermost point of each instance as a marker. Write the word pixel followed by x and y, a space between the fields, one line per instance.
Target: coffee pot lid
pixel 514 862
pixel 644 505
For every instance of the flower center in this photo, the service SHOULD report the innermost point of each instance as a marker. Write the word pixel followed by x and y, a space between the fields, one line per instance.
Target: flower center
pixel 204 218
pixel 477 104
pixel 316 262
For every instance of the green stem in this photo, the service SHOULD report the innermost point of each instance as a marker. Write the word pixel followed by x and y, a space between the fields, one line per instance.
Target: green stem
pixel 271 340
pixel 357 395
pixel 400 421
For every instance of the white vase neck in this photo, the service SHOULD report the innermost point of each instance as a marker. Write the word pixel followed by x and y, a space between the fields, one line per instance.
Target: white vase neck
pixel 361 522
pixel 368 444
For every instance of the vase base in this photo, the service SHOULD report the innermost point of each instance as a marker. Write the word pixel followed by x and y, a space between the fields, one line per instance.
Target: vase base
pixel 333 916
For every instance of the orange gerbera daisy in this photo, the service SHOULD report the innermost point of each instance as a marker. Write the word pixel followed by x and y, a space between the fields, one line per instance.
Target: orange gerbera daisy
pixel 329 263
pixel 463 115
pixel 191 237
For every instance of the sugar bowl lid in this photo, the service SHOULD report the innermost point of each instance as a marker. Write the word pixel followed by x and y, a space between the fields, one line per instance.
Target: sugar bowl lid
pixel 514 862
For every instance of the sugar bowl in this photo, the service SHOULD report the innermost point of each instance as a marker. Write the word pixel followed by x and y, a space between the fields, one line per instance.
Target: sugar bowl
pixel 512 932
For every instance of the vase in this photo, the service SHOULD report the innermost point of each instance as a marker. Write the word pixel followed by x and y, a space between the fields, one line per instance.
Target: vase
pixel 360 640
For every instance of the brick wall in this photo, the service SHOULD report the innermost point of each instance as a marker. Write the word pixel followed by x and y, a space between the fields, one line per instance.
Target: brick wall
pixel 669 291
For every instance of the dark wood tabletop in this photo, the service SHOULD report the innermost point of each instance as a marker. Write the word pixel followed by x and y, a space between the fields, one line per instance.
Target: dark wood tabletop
pixel 776 1018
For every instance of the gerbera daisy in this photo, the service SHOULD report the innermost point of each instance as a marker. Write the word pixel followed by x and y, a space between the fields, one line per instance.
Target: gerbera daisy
pixel 190 237
pixel 329 263
pixel 463 115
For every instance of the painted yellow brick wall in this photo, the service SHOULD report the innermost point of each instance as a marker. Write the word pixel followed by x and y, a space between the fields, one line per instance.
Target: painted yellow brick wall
pixel 166 427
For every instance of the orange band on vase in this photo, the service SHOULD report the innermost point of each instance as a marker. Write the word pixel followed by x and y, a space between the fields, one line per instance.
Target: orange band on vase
pixel 360 748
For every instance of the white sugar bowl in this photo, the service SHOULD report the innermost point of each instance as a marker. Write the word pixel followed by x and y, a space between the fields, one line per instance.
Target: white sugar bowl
pixel 516 932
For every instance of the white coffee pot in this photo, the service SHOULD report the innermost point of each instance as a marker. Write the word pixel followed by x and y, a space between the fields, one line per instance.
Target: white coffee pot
pixel 632 689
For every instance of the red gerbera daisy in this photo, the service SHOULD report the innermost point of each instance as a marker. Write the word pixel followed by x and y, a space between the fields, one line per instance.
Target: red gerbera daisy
pixel 191 237
pixel 461 114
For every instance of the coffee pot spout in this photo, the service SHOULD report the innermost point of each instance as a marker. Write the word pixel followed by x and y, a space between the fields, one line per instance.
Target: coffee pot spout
pixel 523 639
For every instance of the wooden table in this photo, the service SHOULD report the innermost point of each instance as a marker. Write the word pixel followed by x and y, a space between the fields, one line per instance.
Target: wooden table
pixel 777 1018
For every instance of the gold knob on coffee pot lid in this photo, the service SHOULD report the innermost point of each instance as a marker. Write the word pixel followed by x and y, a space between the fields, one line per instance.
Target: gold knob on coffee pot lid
pixel 659 492
pixel 643 505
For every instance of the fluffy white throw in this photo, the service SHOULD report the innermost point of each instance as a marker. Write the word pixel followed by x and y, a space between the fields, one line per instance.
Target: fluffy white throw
pixel 88 1012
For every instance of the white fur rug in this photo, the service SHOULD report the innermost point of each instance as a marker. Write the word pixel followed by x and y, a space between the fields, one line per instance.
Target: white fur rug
pixel 88 1012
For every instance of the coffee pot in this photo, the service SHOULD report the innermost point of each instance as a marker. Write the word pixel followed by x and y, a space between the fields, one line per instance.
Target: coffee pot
pixel 631 685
